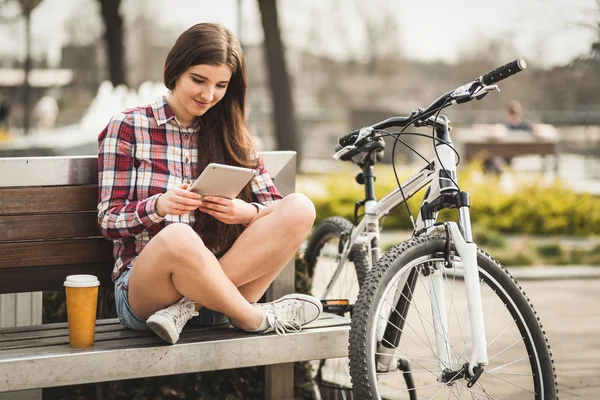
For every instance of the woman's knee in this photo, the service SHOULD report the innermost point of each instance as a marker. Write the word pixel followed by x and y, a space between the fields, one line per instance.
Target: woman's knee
pixel 179 239
pixel 298 211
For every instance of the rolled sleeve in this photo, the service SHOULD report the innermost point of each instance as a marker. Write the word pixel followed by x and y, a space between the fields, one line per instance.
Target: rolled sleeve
pixel 263 187
pixel 146 211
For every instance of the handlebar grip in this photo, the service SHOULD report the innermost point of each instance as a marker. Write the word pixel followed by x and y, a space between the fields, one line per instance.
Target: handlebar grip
pixel 504 72
pixel 348 138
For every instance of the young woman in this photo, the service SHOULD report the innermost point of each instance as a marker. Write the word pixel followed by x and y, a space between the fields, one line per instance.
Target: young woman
pixel 179 254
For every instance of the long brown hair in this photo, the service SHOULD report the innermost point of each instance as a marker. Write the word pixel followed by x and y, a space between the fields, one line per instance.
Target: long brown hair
pixel 222 133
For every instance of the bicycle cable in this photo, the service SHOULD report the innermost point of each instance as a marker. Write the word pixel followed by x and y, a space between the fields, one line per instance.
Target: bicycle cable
pixel 394 135
pixel 405 200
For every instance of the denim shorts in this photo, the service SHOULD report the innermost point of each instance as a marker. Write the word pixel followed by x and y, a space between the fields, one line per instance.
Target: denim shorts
pixel 127 317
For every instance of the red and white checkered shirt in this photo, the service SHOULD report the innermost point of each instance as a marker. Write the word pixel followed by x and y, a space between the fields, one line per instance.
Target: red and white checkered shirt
pixel 142 153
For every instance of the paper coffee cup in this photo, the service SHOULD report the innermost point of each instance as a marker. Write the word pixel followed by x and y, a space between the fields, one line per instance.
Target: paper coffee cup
pixel 82 298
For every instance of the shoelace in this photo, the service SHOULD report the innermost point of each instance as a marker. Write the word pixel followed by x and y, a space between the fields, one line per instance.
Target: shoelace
pixel 283 326
pixel 285 318
pixel 181 313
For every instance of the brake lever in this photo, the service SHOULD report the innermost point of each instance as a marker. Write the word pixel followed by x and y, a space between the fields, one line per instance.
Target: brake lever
pixel 343 151
pixel 479 94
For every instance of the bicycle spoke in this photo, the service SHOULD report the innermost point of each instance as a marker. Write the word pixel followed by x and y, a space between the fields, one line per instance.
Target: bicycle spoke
pixel 418 388
pixel 506 365
pixel 423 344
pixel 504 380
pixel 411 358
pixel 409 325
pixel 506 348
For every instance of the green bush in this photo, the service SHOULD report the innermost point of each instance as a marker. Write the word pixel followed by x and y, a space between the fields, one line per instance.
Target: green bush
pixel 518 259
pixel 535 208
pixel 488 238
pixel 549 250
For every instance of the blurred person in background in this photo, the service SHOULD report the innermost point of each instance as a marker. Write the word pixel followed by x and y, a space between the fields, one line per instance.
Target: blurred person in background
pixel 513 121
pixel 514 117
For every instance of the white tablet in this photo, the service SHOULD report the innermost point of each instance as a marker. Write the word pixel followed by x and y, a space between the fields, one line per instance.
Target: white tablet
pixel 222 180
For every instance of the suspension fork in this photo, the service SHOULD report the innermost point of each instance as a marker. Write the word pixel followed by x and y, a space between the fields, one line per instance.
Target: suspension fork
pixel 467 250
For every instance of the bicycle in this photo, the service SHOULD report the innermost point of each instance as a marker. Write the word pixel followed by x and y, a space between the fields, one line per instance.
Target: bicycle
pixel 434 300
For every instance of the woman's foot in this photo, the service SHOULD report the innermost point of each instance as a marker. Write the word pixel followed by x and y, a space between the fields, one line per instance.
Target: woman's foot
pixel 286 314
pixel 168 322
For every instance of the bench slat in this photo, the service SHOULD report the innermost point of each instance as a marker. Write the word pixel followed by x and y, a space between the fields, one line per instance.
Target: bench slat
pixel 50 327
pixel 7 340
pixel 50 199
pixel 108 329
pixel 36 279
pixel 52 226
pixel 60 252
pixel 27 335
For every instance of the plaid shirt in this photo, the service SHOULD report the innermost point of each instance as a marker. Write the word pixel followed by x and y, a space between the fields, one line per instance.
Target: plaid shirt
pixel 142 153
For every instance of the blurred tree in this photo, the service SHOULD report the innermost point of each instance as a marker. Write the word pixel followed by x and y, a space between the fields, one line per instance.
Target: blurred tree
pixel 343 58
pixel 113 38
pixel 281 90
pixel 26 7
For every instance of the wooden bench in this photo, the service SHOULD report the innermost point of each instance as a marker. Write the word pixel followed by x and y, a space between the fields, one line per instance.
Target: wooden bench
pixel 513 144
pixel 48 230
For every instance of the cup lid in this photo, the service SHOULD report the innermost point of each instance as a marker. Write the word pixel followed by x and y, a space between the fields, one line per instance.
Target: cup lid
pixel 81 281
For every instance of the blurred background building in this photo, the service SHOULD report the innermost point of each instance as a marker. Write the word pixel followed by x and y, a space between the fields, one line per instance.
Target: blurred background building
pixel 350 63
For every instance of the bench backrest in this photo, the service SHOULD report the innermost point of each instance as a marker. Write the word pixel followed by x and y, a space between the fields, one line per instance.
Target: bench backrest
pixel 48 226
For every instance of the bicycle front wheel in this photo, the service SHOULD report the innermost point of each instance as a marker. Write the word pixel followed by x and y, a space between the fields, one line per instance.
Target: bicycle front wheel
pixel 393 349
pixel 322 255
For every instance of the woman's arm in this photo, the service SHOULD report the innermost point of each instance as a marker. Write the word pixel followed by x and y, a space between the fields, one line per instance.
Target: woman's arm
pixel 120 214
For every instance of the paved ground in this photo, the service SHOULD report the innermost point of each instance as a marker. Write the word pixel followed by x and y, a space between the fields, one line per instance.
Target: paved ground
pixel 570 313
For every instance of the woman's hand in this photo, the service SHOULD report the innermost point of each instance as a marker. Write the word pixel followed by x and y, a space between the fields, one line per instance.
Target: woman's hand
pixel 228 211
pixel 178 201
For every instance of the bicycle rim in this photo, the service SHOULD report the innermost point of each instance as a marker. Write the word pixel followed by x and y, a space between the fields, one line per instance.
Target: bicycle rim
pixel 520 365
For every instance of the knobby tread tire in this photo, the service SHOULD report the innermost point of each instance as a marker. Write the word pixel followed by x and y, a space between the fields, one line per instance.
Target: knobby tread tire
pixel 373 288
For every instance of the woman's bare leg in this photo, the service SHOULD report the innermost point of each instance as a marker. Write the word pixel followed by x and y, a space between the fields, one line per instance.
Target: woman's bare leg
pixel 176 263
pixel 265 247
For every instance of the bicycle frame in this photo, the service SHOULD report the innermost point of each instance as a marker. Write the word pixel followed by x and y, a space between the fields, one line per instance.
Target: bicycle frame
pixel 367 232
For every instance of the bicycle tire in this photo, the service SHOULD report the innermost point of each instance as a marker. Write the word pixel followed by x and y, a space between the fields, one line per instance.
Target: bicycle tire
pixel 535 374
pixel 335 227
pixel 333 375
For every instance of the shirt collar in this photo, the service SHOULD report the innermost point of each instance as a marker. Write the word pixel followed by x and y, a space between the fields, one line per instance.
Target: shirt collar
pixel 162 111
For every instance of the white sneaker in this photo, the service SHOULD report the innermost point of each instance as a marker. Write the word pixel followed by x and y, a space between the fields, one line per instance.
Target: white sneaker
pixel 168 322
pixel 288 313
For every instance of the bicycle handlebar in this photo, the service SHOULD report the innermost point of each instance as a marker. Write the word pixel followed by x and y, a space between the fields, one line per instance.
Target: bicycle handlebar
pixel 475 89
pixel 504 72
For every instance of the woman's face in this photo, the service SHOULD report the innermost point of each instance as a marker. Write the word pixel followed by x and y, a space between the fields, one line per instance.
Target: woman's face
pixel 198 89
